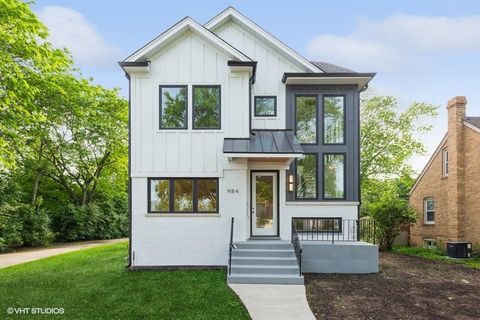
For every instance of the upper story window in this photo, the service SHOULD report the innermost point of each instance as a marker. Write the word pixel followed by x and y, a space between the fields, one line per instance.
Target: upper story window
pixel 429 211
pixel 333 119
pixel 306 171
pixel 206 107
pixel 306 119
pixel 334 176
pixel 265 106
pixel 173 107
pixel 183 195
pixel 445 163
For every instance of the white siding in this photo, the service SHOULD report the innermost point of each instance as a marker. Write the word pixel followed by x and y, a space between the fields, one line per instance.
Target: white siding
pixel 271 64
pixel 189 60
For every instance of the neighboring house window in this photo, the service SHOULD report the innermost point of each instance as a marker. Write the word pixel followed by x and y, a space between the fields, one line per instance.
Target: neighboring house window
pixel 265 106
pixel 445 163
pixel 429 243
pixel 333 119
pixel 334 176
pixel 183 195
pixel 306 119
pixel 429 210
pixel 173 107
pixel 206 107
pixel 312 225
pixel 306 170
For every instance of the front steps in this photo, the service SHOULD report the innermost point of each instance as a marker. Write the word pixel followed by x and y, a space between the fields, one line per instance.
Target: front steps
pixel 264 262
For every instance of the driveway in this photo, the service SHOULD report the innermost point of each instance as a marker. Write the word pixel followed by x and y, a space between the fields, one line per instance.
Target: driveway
pixel 406 288
pixel 10 259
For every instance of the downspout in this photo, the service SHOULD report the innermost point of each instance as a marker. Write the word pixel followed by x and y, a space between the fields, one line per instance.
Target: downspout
pixel 358 171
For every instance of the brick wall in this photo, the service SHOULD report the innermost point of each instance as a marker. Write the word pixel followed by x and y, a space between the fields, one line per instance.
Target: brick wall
pixel 472 186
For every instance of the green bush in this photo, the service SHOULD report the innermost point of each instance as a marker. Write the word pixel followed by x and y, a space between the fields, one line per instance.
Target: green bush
pixel 35 226
pixel 10 227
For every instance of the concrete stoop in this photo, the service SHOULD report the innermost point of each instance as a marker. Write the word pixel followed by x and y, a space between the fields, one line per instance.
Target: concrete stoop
pixel 264 262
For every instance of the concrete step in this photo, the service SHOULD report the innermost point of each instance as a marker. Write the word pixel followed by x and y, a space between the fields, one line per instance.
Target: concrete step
pixel 263 253
pixel 264 260
pixel 265 269
pixel 252 244
pixel 264 278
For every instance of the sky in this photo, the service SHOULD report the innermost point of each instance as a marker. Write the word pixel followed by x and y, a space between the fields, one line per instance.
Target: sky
pixel 425 50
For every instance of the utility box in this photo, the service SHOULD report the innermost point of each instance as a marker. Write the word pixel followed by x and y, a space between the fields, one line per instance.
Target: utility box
pixel 459 249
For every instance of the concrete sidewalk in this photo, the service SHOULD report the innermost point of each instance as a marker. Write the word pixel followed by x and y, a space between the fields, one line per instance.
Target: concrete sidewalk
pixel 10 259
pixel 274 302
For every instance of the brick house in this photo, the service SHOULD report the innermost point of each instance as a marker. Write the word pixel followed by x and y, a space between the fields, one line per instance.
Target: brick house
pixel 446 194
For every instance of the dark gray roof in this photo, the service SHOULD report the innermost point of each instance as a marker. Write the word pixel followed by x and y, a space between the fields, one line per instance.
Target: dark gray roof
pixel 473 121
pixel 264 141
pixel 330 68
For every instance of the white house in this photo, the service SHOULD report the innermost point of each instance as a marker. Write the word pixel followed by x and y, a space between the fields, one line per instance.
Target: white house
pixel 226 121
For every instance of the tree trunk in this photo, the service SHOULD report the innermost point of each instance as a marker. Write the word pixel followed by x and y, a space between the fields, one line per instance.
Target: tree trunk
pixel 35 186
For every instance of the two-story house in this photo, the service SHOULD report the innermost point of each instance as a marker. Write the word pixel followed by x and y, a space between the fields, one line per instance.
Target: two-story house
pixel 446 194
pixel 234 135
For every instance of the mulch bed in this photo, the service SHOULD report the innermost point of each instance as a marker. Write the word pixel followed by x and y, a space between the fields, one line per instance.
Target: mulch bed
pixel 406 288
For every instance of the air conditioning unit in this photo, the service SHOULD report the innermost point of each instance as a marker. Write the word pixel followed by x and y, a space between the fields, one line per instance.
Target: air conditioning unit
pixel 459 249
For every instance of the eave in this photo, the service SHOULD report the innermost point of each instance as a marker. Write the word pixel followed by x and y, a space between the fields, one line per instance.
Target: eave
pixel 306 78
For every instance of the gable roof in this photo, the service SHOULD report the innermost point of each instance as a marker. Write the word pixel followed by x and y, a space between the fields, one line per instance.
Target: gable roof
pixel 177 30
pixel 232 14
pixel 330 67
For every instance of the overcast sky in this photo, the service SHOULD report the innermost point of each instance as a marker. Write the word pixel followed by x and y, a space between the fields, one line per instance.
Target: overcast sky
pixel 421 50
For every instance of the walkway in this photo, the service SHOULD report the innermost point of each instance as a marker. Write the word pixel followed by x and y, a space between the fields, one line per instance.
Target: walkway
pixel 10 259
pixel 278 302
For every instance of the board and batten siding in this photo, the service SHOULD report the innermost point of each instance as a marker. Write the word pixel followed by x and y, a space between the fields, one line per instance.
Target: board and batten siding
pixel 189 60
pixel 271 65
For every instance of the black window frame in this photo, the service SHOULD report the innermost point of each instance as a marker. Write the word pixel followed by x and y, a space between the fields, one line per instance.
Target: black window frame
pixel 160 106
pixel 316 178
pixel 344 154
pixel 219 106
pixel 171 195
pixel 344 119
pixel 256 114
pixel 316 96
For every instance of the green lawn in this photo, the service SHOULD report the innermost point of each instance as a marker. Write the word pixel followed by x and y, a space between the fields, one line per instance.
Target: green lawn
pixel 436 254
pixel 94 284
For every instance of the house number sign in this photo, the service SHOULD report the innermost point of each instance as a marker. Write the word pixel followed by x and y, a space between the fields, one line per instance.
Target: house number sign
pixel 232 190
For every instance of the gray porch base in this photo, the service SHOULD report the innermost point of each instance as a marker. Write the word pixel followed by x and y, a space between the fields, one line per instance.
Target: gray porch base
pixel 340 257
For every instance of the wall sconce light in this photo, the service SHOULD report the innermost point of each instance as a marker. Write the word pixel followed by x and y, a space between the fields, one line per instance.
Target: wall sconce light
pixel 290 182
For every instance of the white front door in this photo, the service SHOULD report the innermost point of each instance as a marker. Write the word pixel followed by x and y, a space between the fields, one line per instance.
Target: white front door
pixel 264 203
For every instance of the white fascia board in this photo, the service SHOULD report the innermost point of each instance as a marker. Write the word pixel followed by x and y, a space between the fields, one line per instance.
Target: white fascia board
pixel 231 12
pixel 420 176
pixel 183 25
pixel 471 126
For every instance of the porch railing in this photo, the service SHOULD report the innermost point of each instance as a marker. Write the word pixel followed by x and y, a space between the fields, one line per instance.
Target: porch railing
pixel 297 246
pixel 230 248
pixel 334 229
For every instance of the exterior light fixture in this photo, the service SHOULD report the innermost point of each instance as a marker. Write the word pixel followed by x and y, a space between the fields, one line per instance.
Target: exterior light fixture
pixel 290 182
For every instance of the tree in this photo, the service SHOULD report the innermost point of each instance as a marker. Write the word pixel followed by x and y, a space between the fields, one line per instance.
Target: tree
pixel 27 64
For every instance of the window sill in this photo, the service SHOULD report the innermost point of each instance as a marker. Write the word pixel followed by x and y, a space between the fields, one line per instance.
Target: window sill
pixel 428 224
pixel 182 215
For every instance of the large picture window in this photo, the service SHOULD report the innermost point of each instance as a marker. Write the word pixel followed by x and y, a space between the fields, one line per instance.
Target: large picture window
pixel 206 107
pixel 334 176
pixel 306 119
pixel 265 106
pixel 306 169
pixel 333 120
pixel 173 107
pixel 183 195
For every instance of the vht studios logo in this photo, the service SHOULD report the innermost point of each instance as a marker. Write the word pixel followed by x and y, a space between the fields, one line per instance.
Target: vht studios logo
pixel 35 310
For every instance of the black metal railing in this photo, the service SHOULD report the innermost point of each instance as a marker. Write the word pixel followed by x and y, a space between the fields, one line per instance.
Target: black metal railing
pixel 297 246
pixel 230 248
pixel 334 229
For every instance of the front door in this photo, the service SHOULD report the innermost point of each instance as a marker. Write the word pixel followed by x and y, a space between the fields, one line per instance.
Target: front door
pixel 264 203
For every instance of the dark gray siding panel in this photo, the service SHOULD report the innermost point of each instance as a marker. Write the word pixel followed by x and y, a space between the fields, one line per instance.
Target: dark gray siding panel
pixel 350 148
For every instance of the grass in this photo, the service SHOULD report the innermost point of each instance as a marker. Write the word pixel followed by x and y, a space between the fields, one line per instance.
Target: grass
pixel 437 254
pixel 94 284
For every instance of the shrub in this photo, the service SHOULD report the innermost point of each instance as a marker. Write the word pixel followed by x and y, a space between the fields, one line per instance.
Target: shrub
pixel 35 226
pixel 10 227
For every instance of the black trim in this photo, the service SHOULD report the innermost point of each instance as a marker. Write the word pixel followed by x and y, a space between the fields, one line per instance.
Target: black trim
pixel 277 172
pixel 344 154
pixel 344 96
pixel 295 182
pixel 219 107
pixel 160 107
pixel 316 118
pixel 171 196
pixel 327 75
pixel 133 63
pixel 256 114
